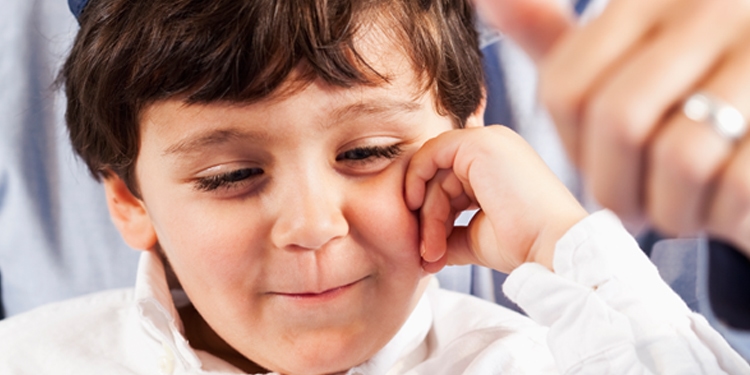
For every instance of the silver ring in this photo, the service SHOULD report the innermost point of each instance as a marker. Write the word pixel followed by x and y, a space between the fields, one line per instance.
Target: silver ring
pixel 723 117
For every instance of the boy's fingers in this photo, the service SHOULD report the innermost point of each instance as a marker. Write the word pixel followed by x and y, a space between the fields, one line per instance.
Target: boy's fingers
pixel 534 24
pixel 422 168
pixel 434 267
pixel 465 244
pixel 438 212
pixel 435 212
pixel 458 252
pixel 437 153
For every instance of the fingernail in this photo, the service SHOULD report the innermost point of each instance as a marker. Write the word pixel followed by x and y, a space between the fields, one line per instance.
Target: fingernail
pixel 422 249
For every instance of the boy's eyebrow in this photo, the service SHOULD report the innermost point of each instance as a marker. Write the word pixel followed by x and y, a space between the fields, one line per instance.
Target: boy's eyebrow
pixel 339 115
pixel 379 107
pixel 209 138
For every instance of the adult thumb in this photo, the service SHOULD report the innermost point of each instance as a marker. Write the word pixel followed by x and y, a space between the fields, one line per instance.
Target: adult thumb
pixel 534 24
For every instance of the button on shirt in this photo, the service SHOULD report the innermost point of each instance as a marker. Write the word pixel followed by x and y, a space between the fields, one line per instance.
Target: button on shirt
pixel 603 311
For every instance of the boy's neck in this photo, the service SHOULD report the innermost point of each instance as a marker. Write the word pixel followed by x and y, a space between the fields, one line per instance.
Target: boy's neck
pixel 202 337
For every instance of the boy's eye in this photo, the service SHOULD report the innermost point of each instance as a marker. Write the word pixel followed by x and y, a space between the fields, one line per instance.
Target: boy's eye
pixel 370 152
pixel 228 179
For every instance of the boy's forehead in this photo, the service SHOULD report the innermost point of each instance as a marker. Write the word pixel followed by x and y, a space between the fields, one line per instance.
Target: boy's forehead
pixel 399 89
pixel 384 61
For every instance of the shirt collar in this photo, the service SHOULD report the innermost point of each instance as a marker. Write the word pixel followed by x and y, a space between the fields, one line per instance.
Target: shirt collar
pixel 157 311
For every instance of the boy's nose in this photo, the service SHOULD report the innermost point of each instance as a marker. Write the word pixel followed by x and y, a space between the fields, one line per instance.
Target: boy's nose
pixel 310 215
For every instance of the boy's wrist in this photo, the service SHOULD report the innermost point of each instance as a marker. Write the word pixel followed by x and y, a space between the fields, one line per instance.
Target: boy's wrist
pixel 543 248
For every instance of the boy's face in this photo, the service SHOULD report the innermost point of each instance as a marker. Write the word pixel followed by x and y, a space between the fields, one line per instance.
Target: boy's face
pixel 284 220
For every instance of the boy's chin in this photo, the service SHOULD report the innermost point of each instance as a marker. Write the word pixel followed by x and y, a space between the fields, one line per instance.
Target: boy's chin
pixel 334 347
pixel 326 355
pixel 327 350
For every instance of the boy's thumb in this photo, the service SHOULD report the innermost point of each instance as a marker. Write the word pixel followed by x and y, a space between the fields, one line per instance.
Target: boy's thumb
pixel 534 24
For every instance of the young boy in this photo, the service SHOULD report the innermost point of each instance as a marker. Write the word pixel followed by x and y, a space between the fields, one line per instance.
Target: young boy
pixel 271 158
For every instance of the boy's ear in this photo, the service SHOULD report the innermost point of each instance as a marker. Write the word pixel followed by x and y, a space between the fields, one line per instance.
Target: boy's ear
pixel 476 119
pixel 129 214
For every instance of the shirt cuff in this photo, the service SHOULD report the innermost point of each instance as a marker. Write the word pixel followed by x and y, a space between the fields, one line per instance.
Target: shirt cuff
pixel 597 255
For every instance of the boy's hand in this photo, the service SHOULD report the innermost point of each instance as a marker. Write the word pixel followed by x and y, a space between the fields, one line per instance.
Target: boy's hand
pixel 524 209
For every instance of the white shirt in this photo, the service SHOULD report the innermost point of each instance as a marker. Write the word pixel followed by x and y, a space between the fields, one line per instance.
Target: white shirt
pixel 604 311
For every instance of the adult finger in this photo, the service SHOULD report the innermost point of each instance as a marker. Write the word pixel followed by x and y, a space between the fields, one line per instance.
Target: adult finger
pixel 534 24
pixel 700 179
pixel 729 214
pixel 630 106
pixel 583 58
pixel 684 163
pixel 729 211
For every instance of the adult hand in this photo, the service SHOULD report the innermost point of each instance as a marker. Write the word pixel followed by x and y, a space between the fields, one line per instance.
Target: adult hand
pixel 615 87
pixel 524 208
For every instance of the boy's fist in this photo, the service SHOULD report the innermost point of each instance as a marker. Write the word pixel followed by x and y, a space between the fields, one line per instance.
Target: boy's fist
pixel 524 209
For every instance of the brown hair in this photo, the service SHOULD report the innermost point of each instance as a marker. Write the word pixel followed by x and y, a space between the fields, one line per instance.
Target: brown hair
pixel 131 53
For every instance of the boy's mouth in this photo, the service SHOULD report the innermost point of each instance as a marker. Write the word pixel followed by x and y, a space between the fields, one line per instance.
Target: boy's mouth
pixel 327 294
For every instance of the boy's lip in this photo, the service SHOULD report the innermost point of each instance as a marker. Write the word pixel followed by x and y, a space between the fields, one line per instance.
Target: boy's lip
pixel 324 294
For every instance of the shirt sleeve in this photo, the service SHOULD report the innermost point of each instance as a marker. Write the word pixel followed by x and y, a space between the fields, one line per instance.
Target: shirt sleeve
pixel 609 311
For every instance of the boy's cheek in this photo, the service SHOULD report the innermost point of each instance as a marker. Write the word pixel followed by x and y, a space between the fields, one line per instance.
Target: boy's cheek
pixel 381 208
pixel 195 238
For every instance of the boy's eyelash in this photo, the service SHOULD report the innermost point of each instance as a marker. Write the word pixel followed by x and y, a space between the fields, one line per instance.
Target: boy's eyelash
pixel 230 178
pixel 364 153
pixel 226 179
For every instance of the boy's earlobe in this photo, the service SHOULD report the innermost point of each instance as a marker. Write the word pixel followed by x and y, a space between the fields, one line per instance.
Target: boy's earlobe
pixel 476 119
pixel 129 214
